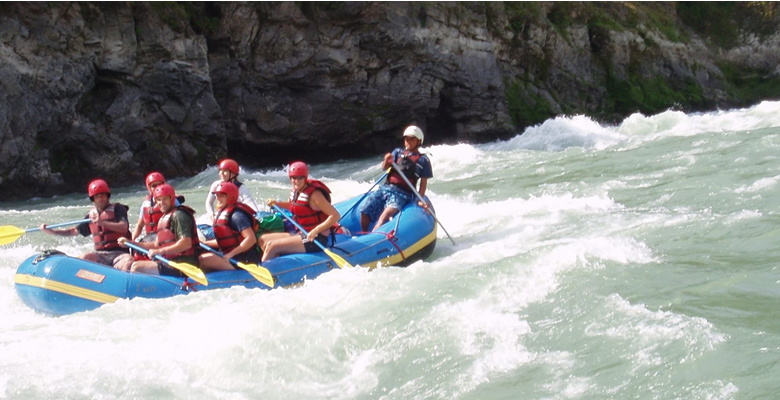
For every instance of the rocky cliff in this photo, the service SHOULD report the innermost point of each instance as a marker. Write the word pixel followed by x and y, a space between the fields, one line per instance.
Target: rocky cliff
pixel 116 90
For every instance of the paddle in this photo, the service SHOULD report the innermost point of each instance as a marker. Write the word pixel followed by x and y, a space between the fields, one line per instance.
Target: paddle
pixel 10 234
pixel 365 194
pixel 188 269
pixel 335 257
pixel 258 271
pixel 397 168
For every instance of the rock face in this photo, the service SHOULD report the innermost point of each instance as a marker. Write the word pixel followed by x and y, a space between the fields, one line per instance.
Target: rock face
pixel 116 90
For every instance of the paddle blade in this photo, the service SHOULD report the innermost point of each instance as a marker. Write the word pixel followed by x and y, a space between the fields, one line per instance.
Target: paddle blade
pixel 260 273
pixel 9 234
pixel 191 271
pixel 339 261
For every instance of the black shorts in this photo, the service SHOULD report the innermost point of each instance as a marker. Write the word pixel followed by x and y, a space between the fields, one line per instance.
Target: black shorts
pixel 248 257
pixel 167 270
pixel 312 247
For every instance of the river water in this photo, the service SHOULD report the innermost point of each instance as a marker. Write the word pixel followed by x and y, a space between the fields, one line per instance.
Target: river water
pixel 636 261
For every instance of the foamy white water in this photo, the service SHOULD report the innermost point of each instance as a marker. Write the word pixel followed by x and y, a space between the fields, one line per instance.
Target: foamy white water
pixel 593 262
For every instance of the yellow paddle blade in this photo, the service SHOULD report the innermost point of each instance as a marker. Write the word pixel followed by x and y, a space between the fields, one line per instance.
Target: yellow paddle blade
pixel 259 272
pixel 191 271
pixel 9 234
pixel 339 261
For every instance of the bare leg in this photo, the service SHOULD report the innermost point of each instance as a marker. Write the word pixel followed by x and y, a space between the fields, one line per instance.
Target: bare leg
pixel 123 262
pixel 90 257
pixel 289 245
pixel 212 262
pixel 263 240
pixel 365 220
pixel 386 215
pixel 145 267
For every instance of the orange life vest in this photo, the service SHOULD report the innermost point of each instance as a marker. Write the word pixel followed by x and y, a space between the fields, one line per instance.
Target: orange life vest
pixel 151 215
pixel 166 237
pixel 227 238
pixel 407 163
pixel 301 209
pixel 105 239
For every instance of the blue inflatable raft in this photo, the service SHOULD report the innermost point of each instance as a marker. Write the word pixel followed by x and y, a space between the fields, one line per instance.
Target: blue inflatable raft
pixel 57 284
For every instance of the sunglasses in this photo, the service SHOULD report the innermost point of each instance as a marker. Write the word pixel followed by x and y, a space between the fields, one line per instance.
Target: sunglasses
pixel 295 178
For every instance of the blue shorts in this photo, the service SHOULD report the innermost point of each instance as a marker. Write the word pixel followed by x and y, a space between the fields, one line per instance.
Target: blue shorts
pixel 388 196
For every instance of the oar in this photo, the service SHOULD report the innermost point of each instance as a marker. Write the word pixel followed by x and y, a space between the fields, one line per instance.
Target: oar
pixel 421 199
pixel 188 269
pixel 335 257
pixel 10 234
pixel 365 194
pixel 258 271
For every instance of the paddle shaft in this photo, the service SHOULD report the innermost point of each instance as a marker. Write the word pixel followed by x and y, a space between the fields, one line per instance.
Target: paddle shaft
pixel 208 248
pixel 419 196
pixel 146 252
pixel 297 225
pixel 10 233
pixel 188 269
pixel 340 261
pixel 365 194
pixel 259 272
pixel 81 221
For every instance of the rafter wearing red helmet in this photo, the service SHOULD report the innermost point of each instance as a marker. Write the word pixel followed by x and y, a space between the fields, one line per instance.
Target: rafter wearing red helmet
pixel 177 237
pixel 228 172
pixel 108 223
pixel 310 204
pixel 234 232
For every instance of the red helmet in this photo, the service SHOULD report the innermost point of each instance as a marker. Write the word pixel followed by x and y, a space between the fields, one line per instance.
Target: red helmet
pixel 154 177
pixel 164 190
pixel 96 187
pixel 298 168
pixel 230 189
pixel 230 165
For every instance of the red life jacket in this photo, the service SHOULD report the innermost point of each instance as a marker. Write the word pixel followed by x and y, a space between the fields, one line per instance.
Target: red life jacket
pixel 227 238
pixel 105 239
pixel 166 237
pixel 151 215
pixel 407 163
pixel 302 211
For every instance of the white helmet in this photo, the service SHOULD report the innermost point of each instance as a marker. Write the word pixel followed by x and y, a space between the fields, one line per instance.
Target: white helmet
pixel 415 132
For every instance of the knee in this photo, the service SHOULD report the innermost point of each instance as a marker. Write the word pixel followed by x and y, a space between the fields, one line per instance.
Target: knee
pixel 137 266
pixel 124 263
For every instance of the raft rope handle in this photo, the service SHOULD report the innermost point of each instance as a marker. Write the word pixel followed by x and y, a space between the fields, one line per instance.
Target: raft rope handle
pixel 188 286
pixel 390 236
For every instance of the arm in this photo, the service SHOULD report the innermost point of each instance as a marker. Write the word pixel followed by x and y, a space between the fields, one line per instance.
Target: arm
pixel 59 232
pixel 182 244
pixel 118 226
pixel 280 204
pixel 246 244
pixel 319 203
pixel 423 186
pixel 211 198
pixel 145 245
pixel 387 161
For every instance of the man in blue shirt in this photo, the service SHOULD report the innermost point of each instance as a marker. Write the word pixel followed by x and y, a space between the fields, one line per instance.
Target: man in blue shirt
pixel 392 196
